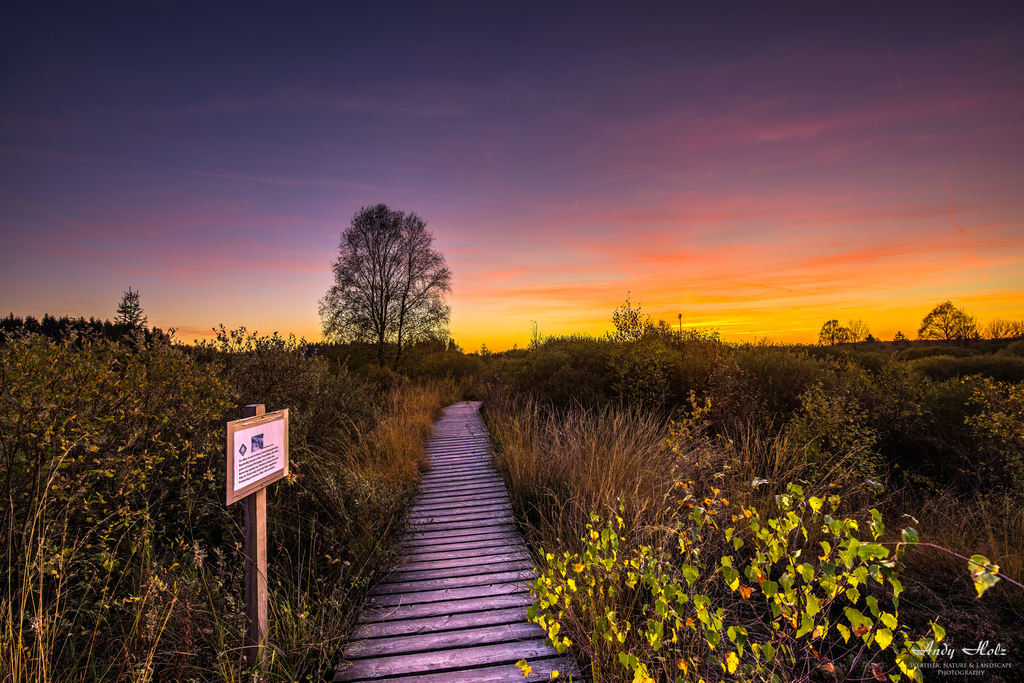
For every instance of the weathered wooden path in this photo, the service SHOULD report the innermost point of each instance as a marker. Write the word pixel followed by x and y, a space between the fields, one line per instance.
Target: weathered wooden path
pixel 454 609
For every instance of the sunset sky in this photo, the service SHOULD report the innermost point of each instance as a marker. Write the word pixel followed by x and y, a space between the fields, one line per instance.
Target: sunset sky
pixel 757 170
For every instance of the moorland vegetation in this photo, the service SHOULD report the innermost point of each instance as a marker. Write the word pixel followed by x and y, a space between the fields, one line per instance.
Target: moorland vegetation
pixel 698 509
pixel 708 511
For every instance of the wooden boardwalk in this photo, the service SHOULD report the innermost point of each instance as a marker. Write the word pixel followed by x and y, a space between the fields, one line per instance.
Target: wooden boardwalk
pixel 454 609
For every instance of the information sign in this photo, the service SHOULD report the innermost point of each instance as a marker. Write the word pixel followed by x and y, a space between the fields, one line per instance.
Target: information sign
pixel 257 453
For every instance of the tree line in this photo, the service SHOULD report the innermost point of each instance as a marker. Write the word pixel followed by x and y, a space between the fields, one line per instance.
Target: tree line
pixel 130 319
pixel 945 322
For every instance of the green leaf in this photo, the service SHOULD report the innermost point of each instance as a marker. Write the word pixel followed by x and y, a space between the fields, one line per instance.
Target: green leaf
pixel 690 573
pixel 872 603
pixel 713 637
pixel 909 535
pixel 816 503
pixel 870 551
pixel 806 625
pixel 883 637
pixel 877 528
pixel 983 572
pixel 812 605
pixel 856 617
pixel 939 632
pixel 845 632
pixel 732 577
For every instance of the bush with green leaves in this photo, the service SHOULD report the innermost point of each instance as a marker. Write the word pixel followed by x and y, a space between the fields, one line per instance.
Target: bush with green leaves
pixel 109 455
pixel 731 593
pixel 835 435
pixel 1000 427
pixel 122 562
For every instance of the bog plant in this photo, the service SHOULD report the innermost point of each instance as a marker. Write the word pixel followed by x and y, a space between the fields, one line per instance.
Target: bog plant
pixel 120 561
pixel 741 595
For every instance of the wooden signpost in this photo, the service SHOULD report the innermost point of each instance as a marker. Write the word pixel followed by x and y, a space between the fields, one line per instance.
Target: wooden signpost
pixel 257 457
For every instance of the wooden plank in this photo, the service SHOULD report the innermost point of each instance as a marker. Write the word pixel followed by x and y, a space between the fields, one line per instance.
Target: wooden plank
pixel 503 673
pixel 469 506
pixel 448 622
pixel 507 538
pixel 484 635
pixel 447 514
pixel 448 491
pixel 446 582
pixel 503 549
pixel 427 527
pixel 461 479
pixel 497 497
pixel 417 552
pixel 444 595
pixel 441 471
pixel 446 457
pixel 444 518
pixel 453 609
pixel 438 609
pixel 461 491
pixel 462 562
pixel 449 458
pixel 467 570
pixel 495 535
pixel 460 658
pixel 452 533
pixel 448 473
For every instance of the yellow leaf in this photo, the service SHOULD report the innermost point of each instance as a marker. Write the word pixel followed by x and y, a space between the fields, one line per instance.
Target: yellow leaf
pixel 524 667
pixel 883 637
pixel 732 661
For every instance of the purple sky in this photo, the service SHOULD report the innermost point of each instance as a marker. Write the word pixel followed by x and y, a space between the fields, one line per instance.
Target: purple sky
pixel 756 169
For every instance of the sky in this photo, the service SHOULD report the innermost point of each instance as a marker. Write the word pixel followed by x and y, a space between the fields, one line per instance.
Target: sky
pixel 756 168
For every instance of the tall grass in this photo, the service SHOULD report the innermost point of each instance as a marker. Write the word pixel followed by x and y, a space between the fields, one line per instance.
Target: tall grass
pixel 120 560
pixel 562 466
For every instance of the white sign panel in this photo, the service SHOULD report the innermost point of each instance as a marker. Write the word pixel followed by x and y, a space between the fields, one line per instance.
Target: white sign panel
pixel 257 453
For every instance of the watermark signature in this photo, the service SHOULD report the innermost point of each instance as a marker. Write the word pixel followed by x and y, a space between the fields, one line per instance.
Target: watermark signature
pixel 983 649
pixel 942 663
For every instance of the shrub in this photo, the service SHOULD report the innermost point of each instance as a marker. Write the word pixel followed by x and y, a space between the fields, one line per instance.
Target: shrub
pixel 109 457
pixel 1000 426
pixel 122 561
pixel 563 371
pixel 1005 368
pixel 686 610
pixel 777 377
pixel 834 433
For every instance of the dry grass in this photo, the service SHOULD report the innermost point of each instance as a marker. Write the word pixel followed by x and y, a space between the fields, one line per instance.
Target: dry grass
pixel 183 618
pixel 561 467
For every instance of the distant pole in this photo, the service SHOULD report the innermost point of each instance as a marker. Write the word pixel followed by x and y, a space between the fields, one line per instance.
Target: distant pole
pixel 255 505
pixel 680 324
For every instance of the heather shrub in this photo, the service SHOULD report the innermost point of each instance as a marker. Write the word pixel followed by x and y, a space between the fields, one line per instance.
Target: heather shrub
pixel 122 561
pixel 1005 368
pixel 775 377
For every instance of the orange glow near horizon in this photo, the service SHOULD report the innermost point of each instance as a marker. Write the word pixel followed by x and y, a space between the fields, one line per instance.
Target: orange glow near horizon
pixel 758 177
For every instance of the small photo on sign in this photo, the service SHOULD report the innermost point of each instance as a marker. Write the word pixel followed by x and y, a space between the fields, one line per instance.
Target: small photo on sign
pixel 257 442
